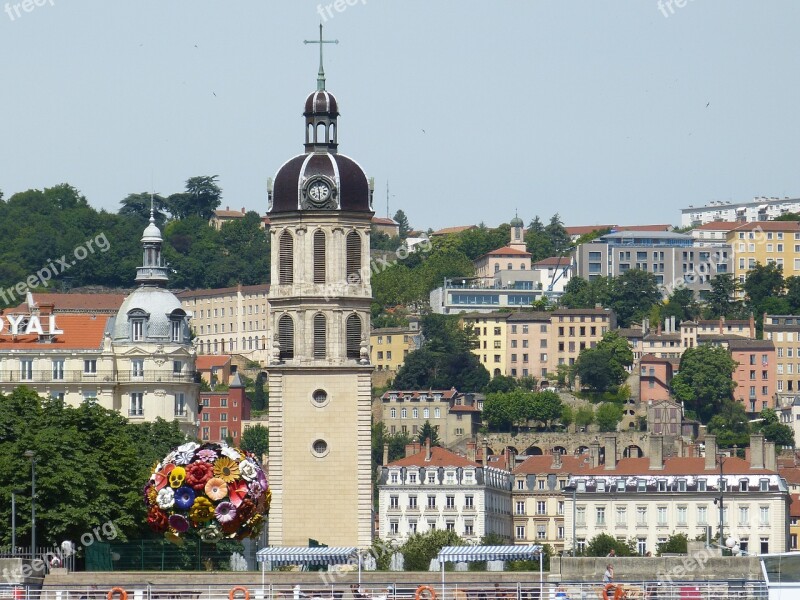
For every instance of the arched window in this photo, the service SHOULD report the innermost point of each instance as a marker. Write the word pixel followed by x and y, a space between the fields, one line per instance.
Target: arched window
pixel 353 336
pixel 286 251
pixel 286 337
pixel 332 133
pixel 310 133
pixel 322 130
pixel 320 335
pixel 353 257
pixel 319 256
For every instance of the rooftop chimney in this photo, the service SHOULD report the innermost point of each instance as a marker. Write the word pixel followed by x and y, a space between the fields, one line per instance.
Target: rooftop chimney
pixel 770 459
pixel 594 454
pixel 386 454
pixel 556 464
pixel 752 327
pixel 711 452
pixel 427 449
pixel 756 451
pixel 471 450
pixel 611 452
pixel 678 447
pixel 721 325
pixel 485 455
pixel 656 452
pixel 412 449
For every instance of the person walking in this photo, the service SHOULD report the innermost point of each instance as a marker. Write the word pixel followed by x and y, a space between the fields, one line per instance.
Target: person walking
pixel 608 576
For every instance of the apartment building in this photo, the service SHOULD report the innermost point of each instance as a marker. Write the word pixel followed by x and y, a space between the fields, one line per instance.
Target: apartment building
pixel 765 242
pixel 230 320
pixel 758 209
pixel 528 344
pixel 491 331
pixel 538 498
pixel 456 415
pixel 755 374
pixel 655 374
pixel 650 499
pixel 714 233
pixel 433 488
pixel 222 413
pixel 784 332
pixel 573 329
pixel 389 346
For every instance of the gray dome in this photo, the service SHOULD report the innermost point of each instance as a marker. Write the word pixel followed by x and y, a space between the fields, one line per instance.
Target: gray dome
pixel 158 307
pixel 151 233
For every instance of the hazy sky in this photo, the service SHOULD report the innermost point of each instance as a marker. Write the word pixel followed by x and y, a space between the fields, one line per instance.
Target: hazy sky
pixel 607 112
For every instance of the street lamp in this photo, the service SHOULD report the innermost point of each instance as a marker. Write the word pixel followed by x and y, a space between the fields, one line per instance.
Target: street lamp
pixel 721 460
pixel 31 455
pixel 14 520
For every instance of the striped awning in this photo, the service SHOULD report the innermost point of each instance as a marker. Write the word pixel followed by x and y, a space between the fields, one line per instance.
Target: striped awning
pixel 473 553
pixel 300 555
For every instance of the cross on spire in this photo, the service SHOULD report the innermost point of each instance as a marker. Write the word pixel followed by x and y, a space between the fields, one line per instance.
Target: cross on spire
pixel 321 74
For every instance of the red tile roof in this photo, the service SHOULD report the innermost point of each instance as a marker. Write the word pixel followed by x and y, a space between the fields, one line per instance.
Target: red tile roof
pixel 88 303
pixel 506 251
pixel 261 288
pixel 791 475
pixel 383 221
pixel 584 229
pixel 439 458
pixel 794 507
pixel 207 362
pixel 553 261
pixel 769 226
pixel 449 230
pixel 539 465
pixel 642 227
pixel 229 214
pixel 718 226
pixel 81 332
pixel 457 408
pixel 409 394
pixel 677 466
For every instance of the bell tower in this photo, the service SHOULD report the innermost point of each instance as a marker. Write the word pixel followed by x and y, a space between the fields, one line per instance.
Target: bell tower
pixel 320 210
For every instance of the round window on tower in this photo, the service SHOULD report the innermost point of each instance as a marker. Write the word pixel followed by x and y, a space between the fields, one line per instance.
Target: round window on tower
pixel 319 398
pixel 319 448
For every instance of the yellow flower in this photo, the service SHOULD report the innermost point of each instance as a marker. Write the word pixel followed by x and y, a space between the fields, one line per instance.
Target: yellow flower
pixel 202 510
pixel 226 469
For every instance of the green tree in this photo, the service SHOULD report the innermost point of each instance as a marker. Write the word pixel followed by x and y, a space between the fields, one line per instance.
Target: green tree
pixel 677 543
pixel 580 293
pixel 567 415
pixel 560 241
pixel 421 548
pixel 720 300
pixel 681 305
pixel 730 424
pixel 500 383
pixel 201 198
pixel 763 285
pixel 595 370
pixel 546 407
pixel 608 416
pixel 704 380
pixel 632 294
pixel 538 241
pixel 402 220
pixel 429 432
pixel 138 206
pixel 260 394
pixel 774 430
pixel 256 440
pixel 584 416
pixel 603 543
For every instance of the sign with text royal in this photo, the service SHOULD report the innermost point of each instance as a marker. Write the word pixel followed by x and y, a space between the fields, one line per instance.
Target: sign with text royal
pixel 27 324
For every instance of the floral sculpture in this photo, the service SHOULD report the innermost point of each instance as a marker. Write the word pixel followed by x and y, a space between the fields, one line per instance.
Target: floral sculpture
pixel 214 491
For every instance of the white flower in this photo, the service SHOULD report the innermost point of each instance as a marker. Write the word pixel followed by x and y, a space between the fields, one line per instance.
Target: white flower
pixel 184 458
pixel 170 458
pixel 248 470
pixel 230 453
pixel 165 498
pixel 188 447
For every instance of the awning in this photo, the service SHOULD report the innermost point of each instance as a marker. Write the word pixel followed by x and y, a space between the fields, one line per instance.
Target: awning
pixel 301 555
pixel 473 553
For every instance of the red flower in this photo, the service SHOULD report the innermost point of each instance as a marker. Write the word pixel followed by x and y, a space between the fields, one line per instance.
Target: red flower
pixel 198 474
pixel 237 492
pixel 157 519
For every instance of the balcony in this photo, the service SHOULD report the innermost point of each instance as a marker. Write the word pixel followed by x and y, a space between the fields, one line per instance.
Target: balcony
pixel 99 377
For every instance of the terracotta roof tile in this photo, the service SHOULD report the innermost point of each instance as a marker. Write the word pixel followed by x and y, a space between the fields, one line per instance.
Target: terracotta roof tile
pixel 584 229
pixel 769 226
pixel 208 361
pixel 539 465
pixel 109 303
pixel 718 226
pixel 676 466
pixel 81 332
pixel 505 251
pixel 261 288
pixel 791 475
pixel 383 221
pixel 553 261
pixel 439 458
pixel 794 507
pixel 643 228
pixel 449 230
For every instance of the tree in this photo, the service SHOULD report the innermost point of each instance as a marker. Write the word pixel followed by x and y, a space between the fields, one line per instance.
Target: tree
pixel 677 543
pixel 500 383
pixel 402 220
pixel 260 395
pixel 397 443
pixel 429 432
pixel 595 370
pixel 567 415
pixel 138 206
pixel 560 241
pixel 704 381
pixel 256 440
pixel 603 543
pixel 608 416
pixel 421 548
pixel 201 198
pixel 763 286
pixel 546 407
pixel 720 300
pixel 774 430
pixel 632 294
pixel 584 416
pixel 681 305
pixel 730 424
pixel 537 241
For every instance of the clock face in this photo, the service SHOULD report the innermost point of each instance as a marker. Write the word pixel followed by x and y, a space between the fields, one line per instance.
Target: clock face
pixel 319 191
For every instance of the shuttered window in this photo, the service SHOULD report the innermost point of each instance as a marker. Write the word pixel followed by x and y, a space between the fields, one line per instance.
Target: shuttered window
pixel 353 336
pixel 320 336
pixel 286 337
pixel 286 251
pixel 319 256
pixel 353 257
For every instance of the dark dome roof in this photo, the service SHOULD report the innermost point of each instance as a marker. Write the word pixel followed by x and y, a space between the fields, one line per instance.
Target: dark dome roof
pixel 352 187
pixel 321 101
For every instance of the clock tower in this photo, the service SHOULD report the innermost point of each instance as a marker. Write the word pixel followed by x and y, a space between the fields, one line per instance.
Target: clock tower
pixel 320 210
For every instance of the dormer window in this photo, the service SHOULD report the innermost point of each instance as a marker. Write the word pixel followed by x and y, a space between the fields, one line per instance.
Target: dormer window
pixel 681 485
pixel 601 486
pixel 176 331
pixel 137 330
pixel 743 485
pixel 662 485
pixel 701 485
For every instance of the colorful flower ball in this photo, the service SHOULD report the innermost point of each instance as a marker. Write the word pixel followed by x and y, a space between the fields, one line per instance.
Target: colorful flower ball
pixel 225 512
pixel 184 498
pixel 179 523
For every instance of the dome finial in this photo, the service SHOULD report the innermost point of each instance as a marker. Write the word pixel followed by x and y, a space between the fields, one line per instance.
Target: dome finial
pixel 321 73
pixel 152 218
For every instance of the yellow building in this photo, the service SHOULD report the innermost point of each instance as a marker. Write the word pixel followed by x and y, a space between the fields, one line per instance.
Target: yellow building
pixel 389 346
pixel 764 242
pixel 491 332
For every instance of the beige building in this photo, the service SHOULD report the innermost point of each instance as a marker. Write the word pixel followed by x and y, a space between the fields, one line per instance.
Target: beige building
pixel 432 488
pixel 784 332
pixel 320 211
pixel 650 499
pixel 490 330
pixel 230 320
pixel 456 415
pixel 528 344
pixel 389 346
pixel 574 329
pixel 139 362
pixel 537 498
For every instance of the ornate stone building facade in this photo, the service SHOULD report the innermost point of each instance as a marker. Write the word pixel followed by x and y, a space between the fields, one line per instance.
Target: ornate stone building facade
pixel 320 211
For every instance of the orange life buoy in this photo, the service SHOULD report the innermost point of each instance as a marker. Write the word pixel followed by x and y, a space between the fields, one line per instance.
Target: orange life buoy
pixel 239 588
pixel 425 588
pixel 123 595
pixel 619 593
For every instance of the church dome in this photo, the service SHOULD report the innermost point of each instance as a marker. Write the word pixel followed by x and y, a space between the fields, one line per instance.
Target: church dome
pixel 348 187
pixel 321 101
pixel 517 222
pixel 157 308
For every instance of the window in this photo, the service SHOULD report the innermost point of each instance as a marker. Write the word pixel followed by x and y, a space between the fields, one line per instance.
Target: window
pixel 320 335
pixel 661 515
pixel 223 416
pixel 601 515
pixel 744 515
pixel 450 502
pixel 177 367
pixel 763 516
pixel 394 528
pixel 641 515
pixel 681 516
pixel 223 402
pixel 353 258
pixel 319 256
pixel 136 400
pixel 469 502
pixel 622 515
pixel 541 507
pixel 702 515
pixel 560 507
pixel 354 337
pixel 90 366
pixel 580 515
pixel 437 413
pixel 394 501
pixel 541 484
pixel 641 546
pixel 137 367
pixel 206 416
pixel 137 330
pixel 320 448
pixel 180 405
pixel 681 485
pixel 469 528
pixel 662 485
pixel 286 257
pixel 426 413
pixel 520 532
pixel 560 532
pixel 176 330
pixel 764 545
pixel 286 337
pixel 431 477
pixel 403 413
pixel 641 485
pixel 26 369
pixel 431 501
pixel 763 485
pixel 412 502
pixel 520 484
pixel 393 413
pixel 701 485
pixel 412 526
pixel 58 369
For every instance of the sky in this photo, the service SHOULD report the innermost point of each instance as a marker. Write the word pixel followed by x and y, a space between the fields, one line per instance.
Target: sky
pixel 607 112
